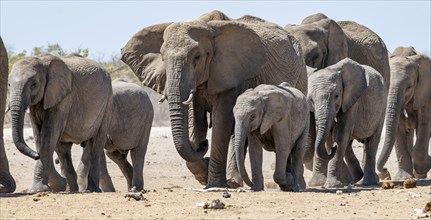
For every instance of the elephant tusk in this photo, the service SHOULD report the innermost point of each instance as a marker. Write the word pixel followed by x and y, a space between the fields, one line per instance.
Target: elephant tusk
pixel 189 100
pixel 162 99
pixel 405 113
pixel 7 109
pixel 335 119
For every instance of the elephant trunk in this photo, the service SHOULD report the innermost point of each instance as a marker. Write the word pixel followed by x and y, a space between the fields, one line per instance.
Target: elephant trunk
pixel 393 112
pixel 179 115
pixel 17 111
pixel 324 125
pixel 240 136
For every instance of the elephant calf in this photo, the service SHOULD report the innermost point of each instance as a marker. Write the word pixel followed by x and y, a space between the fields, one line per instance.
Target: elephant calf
pixel 129 130
pixel 349 102
pixel 275 118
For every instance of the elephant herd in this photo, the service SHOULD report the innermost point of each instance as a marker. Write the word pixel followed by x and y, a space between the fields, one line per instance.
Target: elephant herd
pixel 305 92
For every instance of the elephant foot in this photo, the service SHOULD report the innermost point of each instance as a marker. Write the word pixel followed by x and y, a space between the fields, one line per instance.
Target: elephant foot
pixel 234 183
pixel 258 187
pixel 402 175
pixel 289 188
pixel 384 175
pixel 370 180
pixel 318 179
pixel 199 170
pixel 301 183
pixel 217 184
pixel 333 183
pixel 420 175
pixel 58 185
pixel 7 184
pixel 40 187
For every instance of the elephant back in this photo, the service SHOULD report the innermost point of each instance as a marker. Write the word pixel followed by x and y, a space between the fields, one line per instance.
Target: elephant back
pixel 366 47
pixel 286 62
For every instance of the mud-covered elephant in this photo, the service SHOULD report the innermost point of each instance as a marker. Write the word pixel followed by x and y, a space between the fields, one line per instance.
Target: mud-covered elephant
pixel 348 100
pixel 201 67
pixel 408 112
pixel 274 118
pixel 69 100
pixel 324 42
pixel 7 182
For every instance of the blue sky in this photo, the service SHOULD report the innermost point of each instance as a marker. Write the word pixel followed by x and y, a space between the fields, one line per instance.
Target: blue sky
pixel 104 27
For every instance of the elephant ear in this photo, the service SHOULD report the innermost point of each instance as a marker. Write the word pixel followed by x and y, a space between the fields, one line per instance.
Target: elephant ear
pixel 239 55
pixel 273 106
pixel 422 93
pixel 355 81
pixel 337 42
pixel 142 54
pixel 58 82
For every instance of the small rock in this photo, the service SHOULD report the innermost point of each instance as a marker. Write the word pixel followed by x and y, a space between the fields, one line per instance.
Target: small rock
pixel 201 204
pixel 428 207
pixel 134 195
pixel 226 195
pixel 214 204
pixel 414 195
pixel 419 213
pixel 36 199
pixel 339 192
pixel 409 183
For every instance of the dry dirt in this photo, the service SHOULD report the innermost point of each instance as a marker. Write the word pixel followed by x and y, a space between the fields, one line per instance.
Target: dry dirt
pixel 168 196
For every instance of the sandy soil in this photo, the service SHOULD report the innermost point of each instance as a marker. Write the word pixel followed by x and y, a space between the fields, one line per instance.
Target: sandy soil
pixel 168 196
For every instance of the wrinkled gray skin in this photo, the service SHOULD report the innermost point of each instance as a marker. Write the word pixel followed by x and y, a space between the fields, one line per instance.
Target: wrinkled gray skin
pixel 129 131
pixel 274 118
pixel 205 64
pixel 348 98
pixel 7 182
pixel 69 100
pixel 324 42
pixel 408 112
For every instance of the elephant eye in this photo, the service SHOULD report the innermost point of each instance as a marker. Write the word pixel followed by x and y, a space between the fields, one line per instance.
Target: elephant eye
pixel 195 61
pixel 252 117
pixel 33 85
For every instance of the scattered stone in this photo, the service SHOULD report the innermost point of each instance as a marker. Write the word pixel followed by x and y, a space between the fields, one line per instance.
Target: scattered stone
pixel 36 199
pixel 201 204
pixel 214 204
pixel 134 194
pixel 226 195
pixel 338 192
pixel 414 195
pixel 409 183
pixel 419 213
pixel 388 185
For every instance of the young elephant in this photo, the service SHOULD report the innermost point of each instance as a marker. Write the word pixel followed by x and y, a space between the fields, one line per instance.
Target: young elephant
pixel 349 102
pixel 274 118
pixel 129 130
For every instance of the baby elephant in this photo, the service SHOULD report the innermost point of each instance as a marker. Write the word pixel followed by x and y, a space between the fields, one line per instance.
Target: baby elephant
pixel 274 118
pixel 129 130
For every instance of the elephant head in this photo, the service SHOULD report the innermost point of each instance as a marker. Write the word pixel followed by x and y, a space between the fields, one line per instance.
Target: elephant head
pixel 211 55
pixel 333 89
pixel 409 91
pixel 36 82
pixel 322 40
pixel 255 112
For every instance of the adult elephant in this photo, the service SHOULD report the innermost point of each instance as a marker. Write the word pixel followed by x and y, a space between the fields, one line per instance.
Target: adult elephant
pixel 7 183
pixel 408 112
pixel 69 99
pixel 324 42
pixel 206 64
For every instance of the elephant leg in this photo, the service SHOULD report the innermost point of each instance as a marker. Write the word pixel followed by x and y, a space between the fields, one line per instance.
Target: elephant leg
pixel 354 167
pixel 369 160
pixel 309 146
pixel 138 155
pixel 223 124
pixel 63 151
pixel 105 183
pixel 50 133
pixel 421 158
pixel 256 158
pixel 297 156
pixel 7 182
pixel 125 167
pixel 84 170
pixel 403 145
pixel 283 147
pixel 234 179
pixel 320 168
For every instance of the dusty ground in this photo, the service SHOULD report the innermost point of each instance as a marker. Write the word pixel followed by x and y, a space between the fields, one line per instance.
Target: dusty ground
pixel 167 180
